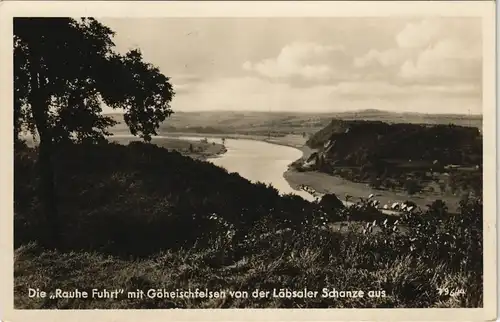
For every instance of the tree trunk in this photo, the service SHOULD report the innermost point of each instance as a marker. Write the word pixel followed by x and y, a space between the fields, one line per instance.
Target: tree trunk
pixel 46 187
pixel 47 194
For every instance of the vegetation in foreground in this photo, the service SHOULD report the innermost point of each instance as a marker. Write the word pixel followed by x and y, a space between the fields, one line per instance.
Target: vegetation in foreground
pixel 141 217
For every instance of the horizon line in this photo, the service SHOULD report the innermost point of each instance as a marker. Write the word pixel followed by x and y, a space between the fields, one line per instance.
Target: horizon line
pixel 312 112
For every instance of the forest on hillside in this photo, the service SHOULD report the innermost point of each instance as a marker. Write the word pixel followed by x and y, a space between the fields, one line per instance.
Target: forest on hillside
pixel 401 155
pixel 356 143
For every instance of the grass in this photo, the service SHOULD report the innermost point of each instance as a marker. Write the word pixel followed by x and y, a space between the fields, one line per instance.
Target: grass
pixel 141 217
pixel 405 281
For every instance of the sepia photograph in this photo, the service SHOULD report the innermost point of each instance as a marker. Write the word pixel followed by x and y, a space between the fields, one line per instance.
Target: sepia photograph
pixel 251 161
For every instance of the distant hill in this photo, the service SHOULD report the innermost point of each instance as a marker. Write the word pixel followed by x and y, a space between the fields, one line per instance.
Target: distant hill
pixel 248 122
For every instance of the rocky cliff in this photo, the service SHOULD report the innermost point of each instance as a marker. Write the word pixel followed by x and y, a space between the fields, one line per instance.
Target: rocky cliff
pixel 365 143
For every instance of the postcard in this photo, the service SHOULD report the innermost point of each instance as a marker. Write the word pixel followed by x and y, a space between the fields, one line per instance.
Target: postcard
pixel 288 161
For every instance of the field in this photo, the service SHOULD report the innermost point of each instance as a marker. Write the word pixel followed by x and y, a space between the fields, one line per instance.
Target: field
pixel 281 123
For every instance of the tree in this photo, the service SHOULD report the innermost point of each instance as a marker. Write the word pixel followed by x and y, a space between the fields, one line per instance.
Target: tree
pixel 375 182
pixel 63 70
pixel 412 186
pixel 331 202
pixel 438 207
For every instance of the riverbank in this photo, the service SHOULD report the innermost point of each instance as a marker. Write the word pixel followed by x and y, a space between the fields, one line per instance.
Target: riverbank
pixel 198 150
pixel 290 140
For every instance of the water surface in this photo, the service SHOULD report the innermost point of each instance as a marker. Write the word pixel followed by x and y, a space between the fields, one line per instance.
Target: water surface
pixel 257 161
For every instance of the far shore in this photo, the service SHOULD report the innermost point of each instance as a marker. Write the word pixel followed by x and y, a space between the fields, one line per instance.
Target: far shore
pixel 291 140
pixel 194 149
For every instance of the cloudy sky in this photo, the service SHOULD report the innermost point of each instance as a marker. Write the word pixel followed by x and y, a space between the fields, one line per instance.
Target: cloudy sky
pixel 429 65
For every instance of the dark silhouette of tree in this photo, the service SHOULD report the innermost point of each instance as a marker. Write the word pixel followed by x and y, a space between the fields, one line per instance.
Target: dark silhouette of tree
pixel 412 186
pixel 375 182
pixel 63 70
pixel 331 202
pixel 438 207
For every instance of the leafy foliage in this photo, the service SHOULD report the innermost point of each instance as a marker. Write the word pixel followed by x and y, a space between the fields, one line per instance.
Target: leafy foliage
pixel 64 69
pixel 69 67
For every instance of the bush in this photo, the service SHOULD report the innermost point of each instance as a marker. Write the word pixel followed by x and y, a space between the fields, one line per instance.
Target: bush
pixel 412 186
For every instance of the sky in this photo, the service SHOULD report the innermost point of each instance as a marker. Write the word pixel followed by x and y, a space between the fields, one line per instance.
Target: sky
pixel 427 65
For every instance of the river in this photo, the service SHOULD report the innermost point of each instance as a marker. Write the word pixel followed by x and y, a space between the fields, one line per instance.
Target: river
pixel 257 161
pixel 252 159
pixel 260 161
